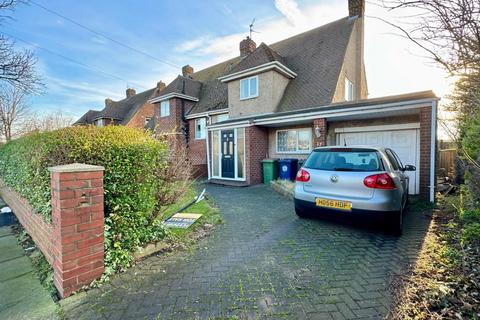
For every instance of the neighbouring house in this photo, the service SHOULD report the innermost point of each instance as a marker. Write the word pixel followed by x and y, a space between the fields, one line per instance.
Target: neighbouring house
pixel 133 111
pixel 281 100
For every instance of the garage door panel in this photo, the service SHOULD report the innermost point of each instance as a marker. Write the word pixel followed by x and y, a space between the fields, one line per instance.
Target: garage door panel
pixel 403 142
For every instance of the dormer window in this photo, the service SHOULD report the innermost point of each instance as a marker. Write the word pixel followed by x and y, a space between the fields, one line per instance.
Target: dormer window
pixel 348 90
pixel 249 88
pixel 164 108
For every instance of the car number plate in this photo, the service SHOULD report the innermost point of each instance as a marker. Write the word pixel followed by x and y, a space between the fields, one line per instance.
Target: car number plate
pixel 336 204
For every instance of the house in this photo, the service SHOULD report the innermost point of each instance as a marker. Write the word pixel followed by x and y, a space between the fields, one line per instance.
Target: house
pixel 281 100
pixel 133 111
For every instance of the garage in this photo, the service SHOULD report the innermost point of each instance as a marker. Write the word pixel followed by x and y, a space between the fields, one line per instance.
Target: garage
pixel 403 139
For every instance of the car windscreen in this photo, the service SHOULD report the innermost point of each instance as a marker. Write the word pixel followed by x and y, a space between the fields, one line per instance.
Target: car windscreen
pixel 344 159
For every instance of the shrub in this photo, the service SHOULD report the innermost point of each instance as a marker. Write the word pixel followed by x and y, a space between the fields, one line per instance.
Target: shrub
pixel 135 166
pixel 471 234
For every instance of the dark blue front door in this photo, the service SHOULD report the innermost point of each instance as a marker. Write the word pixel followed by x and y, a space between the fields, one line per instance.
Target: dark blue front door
pixel 228 154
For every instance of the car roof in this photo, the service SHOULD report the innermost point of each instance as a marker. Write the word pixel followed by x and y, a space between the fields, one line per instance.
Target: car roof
pixel 377 148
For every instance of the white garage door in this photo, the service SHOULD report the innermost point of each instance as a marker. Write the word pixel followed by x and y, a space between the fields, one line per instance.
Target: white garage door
pixel 404 142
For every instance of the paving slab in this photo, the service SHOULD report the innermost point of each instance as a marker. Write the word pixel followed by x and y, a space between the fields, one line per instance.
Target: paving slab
pixel 263 263
pixel 21 294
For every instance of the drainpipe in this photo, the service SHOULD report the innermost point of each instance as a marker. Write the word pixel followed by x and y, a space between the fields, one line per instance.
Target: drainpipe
pixel 208 148
pixel 433 150
pixel 185 128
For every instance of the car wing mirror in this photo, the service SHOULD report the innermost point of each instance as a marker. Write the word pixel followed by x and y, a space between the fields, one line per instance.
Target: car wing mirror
pixel 409 167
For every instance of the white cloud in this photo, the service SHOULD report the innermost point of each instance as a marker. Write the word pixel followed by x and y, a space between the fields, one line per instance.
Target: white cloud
pixel 289 8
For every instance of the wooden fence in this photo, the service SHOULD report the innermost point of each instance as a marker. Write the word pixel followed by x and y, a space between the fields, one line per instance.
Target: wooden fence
pixel 446 161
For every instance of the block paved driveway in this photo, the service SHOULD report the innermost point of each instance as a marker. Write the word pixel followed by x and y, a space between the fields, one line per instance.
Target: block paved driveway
pixel 262 263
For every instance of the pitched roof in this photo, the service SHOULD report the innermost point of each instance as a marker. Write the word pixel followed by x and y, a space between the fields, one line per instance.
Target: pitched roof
pixel 316 56
pixel 183 85
pixel 213 94
pixel 122 110
pixel 88 117
pixel 263 54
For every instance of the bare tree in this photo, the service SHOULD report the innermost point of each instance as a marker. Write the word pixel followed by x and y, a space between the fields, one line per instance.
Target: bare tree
pixel 47 122
pixel 449 31
pixel 17 67
pixel 13 110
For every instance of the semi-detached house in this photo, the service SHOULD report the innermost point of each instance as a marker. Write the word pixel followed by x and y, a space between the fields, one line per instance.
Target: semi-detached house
pixel 281 100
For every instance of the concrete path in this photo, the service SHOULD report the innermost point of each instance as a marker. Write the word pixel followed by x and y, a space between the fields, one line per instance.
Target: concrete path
pixel 21 294
pixel 262 263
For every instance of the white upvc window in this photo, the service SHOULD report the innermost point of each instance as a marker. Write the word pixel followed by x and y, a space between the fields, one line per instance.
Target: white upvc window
pixel 100 122
pixel 348 90
pixel 147 120
pixel 165 108
pixel 249 88
pixel 200 130
pixel 294 141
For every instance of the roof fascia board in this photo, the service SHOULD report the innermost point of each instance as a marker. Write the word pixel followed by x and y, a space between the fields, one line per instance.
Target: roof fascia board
pixel 172 95
pixel 206 113
pixel 258 69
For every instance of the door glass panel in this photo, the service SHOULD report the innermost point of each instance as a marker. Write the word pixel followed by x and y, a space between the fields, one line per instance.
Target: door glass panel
pixel 240 151
pixel 215 153
pixel 230 147
pixel 225 150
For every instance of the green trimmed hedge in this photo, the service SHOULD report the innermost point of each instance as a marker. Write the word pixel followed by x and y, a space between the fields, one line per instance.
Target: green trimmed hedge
pixel 133 161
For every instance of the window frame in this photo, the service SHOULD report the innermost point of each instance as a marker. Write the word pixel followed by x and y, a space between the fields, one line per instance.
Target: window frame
pixel 204 128
pixel 297 151
pixel 392 159
pixel 349 85
pixel 162 115
pixel 248 81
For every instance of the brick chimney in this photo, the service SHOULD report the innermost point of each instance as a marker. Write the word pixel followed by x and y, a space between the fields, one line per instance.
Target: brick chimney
pixel 247 46
pixel 160 85
pixel 108 102
pixel 356 8
pixel 187 70
pixel 130 92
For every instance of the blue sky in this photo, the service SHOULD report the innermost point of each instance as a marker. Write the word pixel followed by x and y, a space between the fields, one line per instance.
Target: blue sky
pixel 198 33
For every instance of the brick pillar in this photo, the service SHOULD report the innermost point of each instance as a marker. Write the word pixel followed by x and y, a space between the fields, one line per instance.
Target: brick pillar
pixel 321 141
pixel 425 143
pixel 78 225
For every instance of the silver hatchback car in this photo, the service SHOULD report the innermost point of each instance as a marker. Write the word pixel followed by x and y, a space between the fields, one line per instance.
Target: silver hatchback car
pixel 359 180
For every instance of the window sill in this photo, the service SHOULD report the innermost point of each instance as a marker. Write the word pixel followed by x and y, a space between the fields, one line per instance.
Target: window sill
pixel 248 98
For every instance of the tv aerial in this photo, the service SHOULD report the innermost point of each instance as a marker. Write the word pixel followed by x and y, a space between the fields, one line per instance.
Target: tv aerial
pixel 251 28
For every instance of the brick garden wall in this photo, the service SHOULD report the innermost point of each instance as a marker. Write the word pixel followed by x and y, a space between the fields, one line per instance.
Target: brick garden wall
pixel 40 230
pixel 73 243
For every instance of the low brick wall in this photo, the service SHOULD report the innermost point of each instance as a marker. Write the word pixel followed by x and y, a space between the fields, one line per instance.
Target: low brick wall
pixel 40 230
pixel 73 243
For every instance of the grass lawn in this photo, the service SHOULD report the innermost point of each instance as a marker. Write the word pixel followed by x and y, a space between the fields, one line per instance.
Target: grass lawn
pixel 207 208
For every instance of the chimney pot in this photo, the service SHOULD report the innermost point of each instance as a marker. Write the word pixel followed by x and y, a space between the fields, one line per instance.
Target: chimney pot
pixel 130 92
pixel 187 70
pixel 356 8
pixel 247 46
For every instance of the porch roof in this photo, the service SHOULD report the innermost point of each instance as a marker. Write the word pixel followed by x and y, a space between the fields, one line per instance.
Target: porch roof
pixel 403 104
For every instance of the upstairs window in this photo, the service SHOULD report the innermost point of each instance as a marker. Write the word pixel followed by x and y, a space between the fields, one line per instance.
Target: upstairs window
pixel 200 130
pixel 249 88
pixel 165 108
pixel 100 123
pixel 348 90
